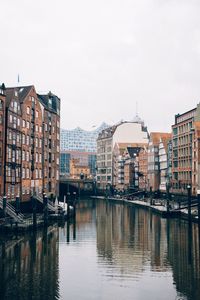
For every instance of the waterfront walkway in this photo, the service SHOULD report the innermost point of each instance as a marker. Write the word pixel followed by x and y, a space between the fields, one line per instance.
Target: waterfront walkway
pixel 159 206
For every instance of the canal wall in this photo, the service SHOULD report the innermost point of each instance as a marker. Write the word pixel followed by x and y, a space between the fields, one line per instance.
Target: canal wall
pixel 157 208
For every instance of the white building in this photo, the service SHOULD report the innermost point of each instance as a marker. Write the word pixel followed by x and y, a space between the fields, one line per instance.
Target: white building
pixel 124 132
pixel 163 161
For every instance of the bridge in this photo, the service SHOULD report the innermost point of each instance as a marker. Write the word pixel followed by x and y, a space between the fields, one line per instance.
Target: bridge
pixel 80 186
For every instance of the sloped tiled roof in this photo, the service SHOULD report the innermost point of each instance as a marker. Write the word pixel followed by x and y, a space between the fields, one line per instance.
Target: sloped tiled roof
pixel 156 137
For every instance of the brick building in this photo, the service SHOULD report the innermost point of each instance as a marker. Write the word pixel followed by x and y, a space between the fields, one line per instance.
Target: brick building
pixel 13 144
pixel 143 167
pixel 2 136
pixel 32 136
pixel 32 143
pixel 51 142
pixel 125 165
pixel 78 170
pixel 186 151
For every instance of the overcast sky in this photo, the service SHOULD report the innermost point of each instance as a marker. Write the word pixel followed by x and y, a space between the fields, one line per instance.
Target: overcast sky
pixel 102 56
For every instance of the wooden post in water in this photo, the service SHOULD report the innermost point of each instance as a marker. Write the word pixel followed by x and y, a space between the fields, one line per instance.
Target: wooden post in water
pixel 151 196
pixel 198 199
pixel 74 203
pixel 45 209
pixel 33 201
pixel 4 205
pixel 189 202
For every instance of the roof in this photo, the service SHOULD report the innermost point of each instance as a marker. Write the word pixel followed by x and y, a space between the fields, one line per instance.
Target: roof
pixel 165 139
pixel 155 137
pixel 55 102
pixel 23 91
pixel 130 147
pixel 125 145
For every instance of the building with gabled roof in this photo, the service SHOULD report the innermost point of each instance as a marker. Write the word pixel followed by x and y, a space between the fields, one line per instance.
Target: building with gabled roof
pixel 153 177
pixel 32 143
pixel 125 133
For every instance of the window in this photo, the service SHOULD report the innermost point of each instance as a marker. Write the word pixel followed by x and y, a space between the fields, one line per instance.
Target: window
pixel 28 110
pixel 27 140
pixel 40 129
pixel 10 135
pixel 8 171
pixel 27 173
pixel 28 124
pixel 27 155
pixel 23 123
pixel 36 128
pixel 36 173
pixel 23 155
pixel 50 102
pixel 23 173
pixel 36 114
pixel 15 106
pixel 17 155
pixel 9 153
pixel 40 143
pixel 40 157
pixel 10 118
pixel 18 138
pixel 36 142
pixel 23 139
pixel 18 122
pixel 13 156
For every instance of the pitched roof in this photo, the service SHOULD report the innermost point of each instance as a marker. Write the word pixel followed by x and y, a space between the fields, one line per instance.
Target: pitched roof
pixel 155 137
pixel 23 91
pixel 55 103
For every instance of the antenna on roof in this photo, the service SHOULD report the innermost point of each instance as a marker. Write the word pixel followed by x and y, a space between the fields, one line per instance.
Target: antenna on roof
pixel 18 79
pixel 136 108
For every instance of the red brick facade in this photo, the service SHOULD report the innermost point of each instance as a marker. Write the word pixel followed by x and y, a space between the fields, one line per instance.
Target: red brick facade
pixel 32 126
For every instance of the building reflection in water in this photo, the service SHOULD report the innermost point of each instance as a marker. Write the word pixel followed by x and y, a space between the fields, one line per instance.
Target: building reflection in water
pixel 29 266
pixel 134 239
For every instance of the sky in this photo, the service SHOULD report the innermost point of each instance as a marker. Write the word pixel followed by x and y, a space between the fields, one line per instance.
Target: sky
pixel 101 57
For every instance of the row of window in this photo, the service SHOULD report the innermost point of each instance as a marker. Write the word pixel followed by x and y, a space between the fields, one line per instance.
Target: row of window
pixel 26 173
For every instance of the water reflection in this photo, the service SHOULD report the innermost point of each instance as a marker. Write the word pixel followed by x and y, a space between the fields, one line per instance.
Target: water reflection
pixel 136 242
pixel 29 266
pixel 109 251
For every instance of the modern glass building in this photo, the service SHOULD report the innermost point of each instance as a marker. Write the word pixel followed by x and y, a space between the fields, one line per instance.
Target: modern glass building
pixel 81 145
pixel 80 140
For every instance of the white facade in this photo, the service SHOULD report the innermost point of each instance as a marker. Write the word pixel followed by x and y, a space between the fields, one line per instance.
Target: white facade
pixel 126 132
pixel 163 166
pixel 130 132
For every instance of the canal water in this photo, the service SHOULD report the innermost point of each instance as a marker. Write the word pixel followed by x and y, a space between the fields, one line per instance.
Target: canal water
pixel 112 251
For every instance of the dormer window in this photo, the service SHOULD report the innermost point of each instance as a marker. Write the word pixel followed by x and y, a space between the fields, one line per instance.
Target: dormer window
pixel 50 102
